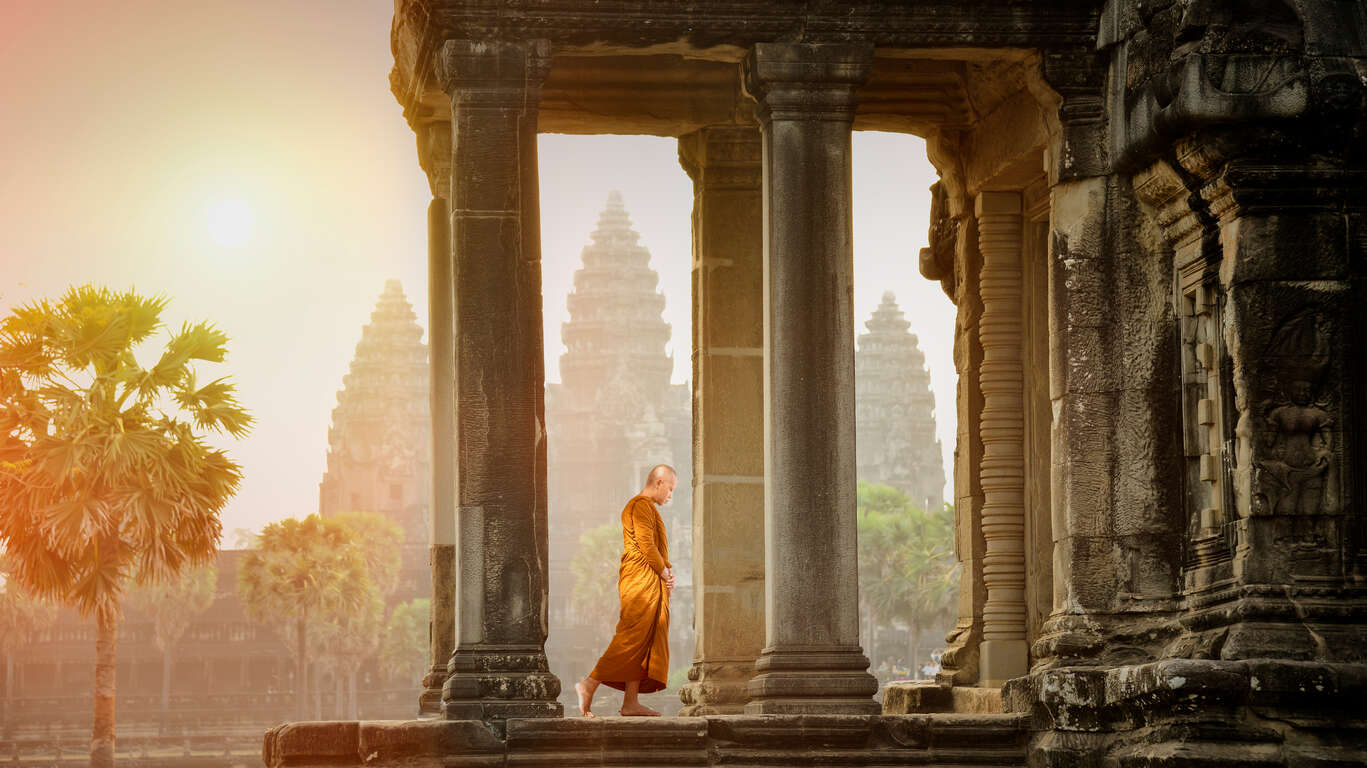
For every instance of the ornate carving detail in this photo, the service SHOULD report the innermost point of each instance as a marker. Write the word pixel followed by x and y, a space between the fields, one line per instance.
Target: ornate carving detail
pixel 937 260
pixel 434 155
pixel 1296 474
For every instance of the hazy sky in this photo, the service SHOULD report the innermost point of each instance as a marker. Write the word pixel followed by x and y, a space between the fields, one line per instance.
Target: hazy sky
pixel 136 137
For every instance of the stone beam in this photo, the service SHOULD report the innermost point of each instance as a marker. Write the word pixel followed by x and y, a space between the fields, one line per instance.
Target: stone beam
pixel 499 667
pixel 728 415
pixel 812 661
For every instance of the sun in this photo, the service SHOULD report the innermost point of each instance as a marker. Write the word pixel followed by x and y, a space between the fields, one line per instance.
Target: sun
pixel 230 223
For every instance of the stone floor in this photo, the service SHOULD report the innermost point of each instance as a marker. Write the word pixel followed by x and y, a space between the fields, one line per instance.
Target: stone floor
pixel 732 740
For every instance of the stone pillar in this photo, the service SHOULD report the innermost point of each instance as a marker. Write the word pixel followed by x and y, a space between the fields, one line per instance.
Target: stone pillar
pixel 1003 652
pixel 812 661
pixel 499 669
pixel 434 150
pixel 728 416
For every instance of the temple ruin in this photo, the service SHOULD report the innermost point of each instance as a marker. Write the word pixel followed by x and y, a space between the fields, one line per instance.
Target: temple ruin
pixel 1150 218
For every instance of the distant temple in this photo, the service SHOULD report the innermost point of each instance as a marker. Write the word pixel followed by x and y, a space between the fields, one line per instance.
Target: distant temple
pixel 612 417
pixel 379 446
pixel 895 409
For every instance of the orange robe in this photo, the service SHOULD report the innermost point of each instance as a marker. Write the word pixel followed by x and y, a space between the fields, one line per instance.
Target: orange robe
pixel 640 649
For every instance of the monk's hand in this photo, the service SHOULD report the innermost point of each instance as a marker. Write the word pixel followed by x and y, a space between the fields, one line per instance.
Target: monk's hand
pixel 668 576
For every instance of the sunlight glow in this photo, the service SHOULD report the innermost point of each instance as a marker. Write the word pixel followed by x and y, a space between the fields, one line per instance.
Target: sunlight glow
pixel 230 223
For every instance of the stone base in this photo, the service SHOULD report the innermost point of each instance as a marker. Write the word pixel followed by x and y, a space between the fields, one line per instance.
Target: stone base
pixel 495 685
pixel 834 681
pixel 1196 713
pixel 810 740
pixel 1001 660
pixel 931 697
pixel 716 688
pixel 429 701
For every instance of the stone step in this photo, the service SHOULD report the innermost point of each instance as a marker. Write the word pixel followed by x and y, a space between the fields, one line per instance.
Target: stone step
pixel 725 740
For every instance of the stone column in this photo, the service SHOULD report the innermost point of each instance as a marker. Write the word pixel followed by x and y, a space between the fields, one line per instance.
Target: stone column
pixel 498 670
pixel 728 416
pixel 1003 652
pixel 812 661
pixel 434 149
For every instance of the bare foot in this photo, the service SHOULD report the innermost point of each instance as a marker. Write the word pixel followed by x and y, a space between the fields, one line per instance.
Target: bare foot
pixel 638 710
pixel 585 699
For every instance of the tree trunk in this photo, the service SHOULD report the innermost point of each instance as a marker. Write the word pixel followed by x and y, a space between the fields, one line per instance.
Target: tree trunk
pixel 914 636
pixel 315 685
pixel 166 665
pixel 106 651
pixel 301 672
pixel 338 693
pixel 8 726
pixel 351 689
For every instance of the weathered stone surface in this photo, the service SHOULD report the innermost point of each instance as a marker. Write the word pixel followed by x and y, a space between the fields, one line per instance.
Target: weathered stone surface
pixel 789 740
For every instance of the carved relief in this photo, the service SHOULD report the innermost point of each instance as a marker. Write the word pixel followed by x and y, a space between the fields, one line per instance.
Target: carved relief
pixel 1294 475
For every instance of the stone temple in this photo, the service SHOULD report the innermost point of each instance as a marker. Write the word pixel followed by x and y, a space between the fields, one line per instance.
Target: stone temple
pixel 895 440
pixel 379 449
pixel 1150 216
pixel 613 416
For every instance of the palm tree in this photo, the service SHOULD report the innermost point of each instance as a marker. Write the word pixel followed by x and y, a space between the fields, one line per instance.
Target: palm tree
pixel 594 566
pixel 405 651
pixel 21 616
pixel 305 570
pixel 355 636
pixel 907 569
pixel 105 475
pixel 172 605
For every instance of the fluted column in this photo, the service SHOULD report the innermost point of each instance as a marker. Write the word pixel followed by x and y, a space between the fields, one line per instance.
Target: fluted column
pixel 434 150
pixel 1002 428
pixel 728 416
pixel 499 668
pixel 812 661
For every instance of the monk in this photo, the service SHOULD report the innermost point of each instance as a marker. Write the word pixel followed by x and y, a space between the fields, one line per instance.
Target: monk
pixel 637 659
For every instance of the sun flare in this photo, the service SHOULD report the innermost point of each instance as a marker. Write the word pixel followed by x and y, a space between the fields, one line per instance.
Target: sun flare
pixel 230 223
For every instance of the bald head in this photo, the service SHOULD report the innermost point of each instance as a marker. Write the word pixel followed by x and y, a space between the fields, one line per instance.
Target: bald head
pixel 660 484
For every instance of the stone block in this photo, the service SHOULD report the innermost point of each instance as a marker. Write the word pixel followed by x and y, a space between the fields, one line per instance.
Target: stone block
pixel 468 741
pixel 1291 246
pixel 731 424
pixel 312 743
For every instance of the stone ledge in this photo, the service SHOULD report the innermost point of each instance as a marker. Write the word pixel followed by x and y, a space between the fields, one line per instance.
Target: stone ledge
pixel 930 697
pixel 788 740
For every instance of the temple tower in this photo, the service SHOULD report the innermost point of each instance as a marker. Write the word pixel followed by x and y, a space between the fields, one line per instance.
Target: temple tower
pixel 612 417
pixel 895 409
pixel 378 447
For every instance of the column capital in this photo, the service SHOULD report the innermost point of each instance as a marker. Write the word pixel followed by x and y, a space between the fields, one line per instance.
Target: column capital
pixel 493 74
pixel 806 81
pixel 723 156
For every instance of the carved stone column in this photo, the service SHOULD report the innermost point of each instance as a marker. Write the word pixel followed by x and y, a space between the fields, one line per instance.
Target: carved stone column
pixel 812 661
pixel 434 151
pixel 499 668
pixel 1003 652
pixel 728 415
